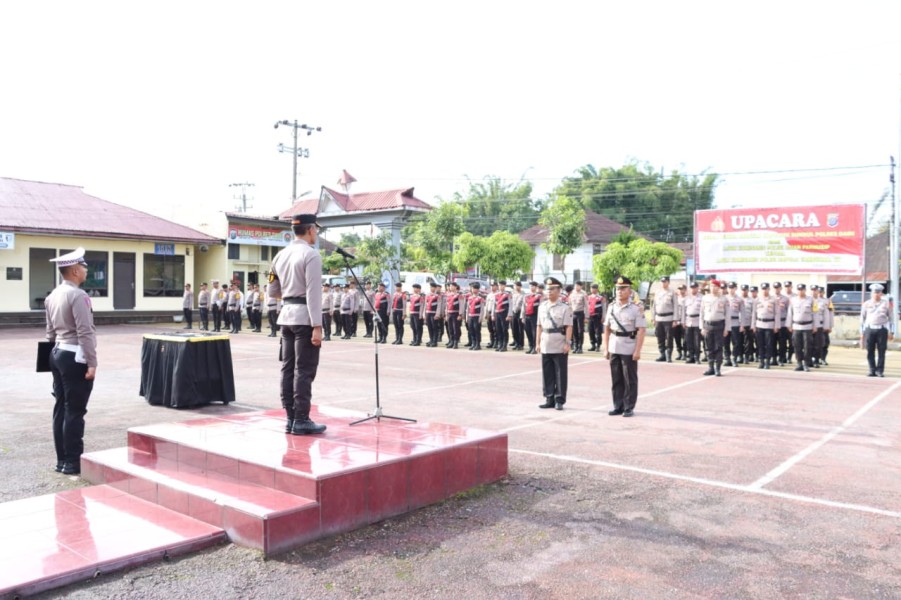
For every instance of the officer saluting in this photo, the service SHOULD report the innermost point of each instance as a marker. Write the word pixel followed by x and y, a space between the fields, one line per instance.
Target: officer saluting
pixel 625 320
pixel 876 327
pixel 296 277
pixel 73 361
pixel 554 333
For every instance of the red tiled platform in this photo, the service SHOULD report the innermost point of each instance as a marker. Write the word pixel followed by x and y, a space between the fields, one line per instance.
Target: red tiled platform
pixel 273 491
pixel 53 540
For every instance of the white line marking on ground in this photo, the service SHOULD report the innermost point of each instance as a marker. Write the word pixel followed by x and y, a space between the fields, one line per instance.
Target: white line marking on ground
pixel 716 484
pixel 571 414
pixel 788 464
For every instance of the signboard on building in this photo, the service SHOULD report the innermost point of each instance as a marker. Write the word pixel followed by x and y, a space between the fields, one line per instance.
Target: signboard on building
pixel 7 240
pixel 805 239
pixel 259 236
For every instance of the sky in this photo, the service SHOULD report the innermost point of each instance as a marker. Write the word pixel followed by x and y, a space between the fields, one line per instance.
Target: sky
pixel 162 105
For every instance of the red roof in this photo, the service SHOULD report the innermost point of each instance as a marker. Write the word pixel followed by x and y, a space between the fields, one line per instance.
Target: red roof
pixel 346 178
pixel 361 202
pixel 598 230
pixel 56 208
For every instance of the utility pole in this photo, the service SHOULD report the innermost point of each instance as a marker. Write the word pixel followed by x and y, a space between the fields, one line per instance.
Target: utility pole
pixel 243 197
pixel 304 152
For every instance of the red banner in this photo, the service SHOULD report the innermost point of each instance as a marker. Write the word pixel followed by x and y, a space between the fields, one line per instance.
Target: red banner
pixel 805 239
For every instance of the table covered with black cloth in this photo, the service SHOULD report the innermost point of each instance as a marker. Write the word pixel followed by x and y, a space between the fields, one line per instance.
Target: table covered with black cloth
pixel 185 370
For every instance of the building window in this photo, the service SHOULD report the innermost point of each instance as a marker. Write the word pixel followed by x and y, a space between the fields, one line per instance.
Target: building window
pixel 234 251
pixel 97 282
pixel 164 275
pixel 597 249
pixel 558 262
pixel 264 253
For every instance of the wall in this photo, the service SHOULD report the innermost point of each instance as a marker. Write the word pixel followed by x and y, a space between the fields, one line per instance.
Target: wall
pixel 16 293
pixel 581 259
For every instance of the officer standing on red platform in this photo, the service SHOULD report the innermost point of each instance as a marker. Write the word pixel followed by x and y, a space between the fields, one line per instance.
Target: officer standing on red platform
pixel 296 278
pixel 554 338
pixel 475 310
pixel 73 360
pixel 624 332
pixel 530 314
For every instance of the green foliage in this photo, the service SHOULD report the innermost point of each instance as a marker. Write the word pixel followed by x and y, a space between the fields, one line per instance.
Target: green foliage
pixel 349 240
pixel 494 205
pixel 332 262
pixel 625 237
pixel 506 255
pixel 641 260
pixel 565 222
pixel 637 195
pixel 469 252
pixel 429 242
pixel 377 255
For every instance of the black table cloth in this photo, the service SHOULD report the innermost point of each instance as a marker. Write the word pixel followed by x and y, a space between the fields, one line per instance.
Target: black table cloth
pixel 185 370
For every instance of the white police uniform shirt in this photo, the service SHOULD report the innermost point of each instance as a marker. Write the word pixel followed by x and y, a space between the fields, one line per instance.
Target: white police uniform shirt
pixel 736 305
pixel 876 315
pixel 664 306
pixel 70 320
pixel 298 274
pixel 552 316
pixel 691 306
pixel 800 313
pixel 631 316
pixel 766 313
pixel 822 316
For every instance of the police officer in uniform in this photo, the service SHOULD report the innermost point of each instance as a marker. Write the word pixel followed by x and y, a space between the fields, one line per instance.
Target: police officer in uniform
pixel 781 335
pixel 554 338
pixel 398 309
pixel 272 312
pixel 664 320
pixel 348 311
pixel 380 302
pixel 73 360
pixel 203 302
pixel 475 310
pixel 217 297
pixel 516 306
pixel 578 302
pixel 691 321
pixel 822 325
pixel 367 307
pixel 715 313
pixel 296 277
pixel 876 328
pixel 187 306
pixel 799 319
pixel 624 331
pixel 500 316
pixel 454 309
pixel 416 308
pixel 734 349
pixel 766 322
pixel 530 314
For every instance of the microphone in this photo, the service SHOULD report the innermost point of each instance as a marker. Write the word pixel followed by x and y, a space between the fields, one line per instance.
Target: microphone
pixel 345 253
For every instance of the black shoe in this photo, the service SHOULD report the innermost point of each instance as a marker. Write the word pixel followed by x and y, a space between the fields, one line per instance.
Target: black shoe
pixel 559 406
pixel 476 347
pixel 615 412
pixel 680 356
pixel 766 365
pixel 502 349
pixel 306 427
pixel 661 358
pixel 690 361
pixel 71 469
pixel 593 348
pixel 59 467
pixel 799 368
pixel 395 343
pixel 728 362
pixel 871 374
pixel 629 413
pixel 289 424
pixel 761 365
pixel 710 371
pixel 548 404
pixel 532 351
pixel 880 373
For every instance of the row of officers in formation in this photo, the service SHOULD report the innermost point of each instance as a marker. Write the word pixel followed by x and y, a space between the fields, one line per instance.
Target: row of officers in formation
pixel 720 323
pixel 763 324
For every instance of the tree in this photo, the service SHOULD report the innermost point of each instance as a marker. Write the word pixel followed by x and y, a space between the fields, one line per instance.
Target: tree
pixel 565 222
pixel 506 255
pixel 349 240
pixel 640 260
pixel 470 250
pixel 495 205
pixel 377 254
pixel 429 241
pixel 332 262
pixel 637 195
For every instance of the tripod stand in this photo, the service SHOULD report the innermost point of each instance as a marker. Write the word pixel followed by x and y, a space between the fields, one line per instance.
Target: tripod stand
pixel 378 415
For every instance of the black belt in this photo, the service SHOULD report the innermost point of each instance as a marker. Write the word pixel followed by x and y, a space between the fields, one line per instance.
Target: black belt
pixel 715 322
pixel 693 316
pixel 295 300
pixel 803 322
pixel 664 314
pixel 630 334
pixel 203 306
pixel 766 320
pixel 555 330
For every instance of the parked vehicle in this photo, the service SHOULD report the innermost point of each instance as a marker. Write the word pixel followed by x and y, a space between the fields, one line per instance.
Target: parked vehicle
pixel 847 302
pixel 408 278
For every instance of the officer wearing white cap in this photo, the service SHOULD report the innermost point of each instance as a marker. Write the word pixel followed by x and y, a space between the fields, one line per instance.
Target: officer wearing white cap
pixel 73 361
pixel 876 328
pixel 554 334
pixel 296 278
pixel 799 320
pixel 624 333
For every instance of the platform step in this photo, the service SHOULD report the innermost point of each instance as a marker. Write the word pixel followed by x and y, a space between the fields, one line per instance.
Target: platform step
pixel 54 540
pixel 225 493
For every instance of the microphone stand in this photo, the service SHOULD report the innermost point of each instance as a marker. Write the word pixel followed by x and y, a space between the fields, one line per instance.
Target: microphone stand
pixel 378 415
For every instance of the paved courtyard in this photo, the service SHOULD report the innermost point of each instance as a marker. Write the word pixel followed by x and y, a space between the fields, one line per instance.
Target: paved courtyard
pixel 756 484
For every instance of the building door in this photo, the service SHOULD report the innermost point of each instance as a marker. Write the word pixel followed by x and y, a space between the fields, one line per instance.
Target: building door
pixel 42 276
pixel 123 280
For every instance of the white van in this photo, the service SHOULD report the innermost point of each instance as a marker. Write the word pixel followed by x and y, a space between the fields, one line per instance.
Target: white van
pixel 408 278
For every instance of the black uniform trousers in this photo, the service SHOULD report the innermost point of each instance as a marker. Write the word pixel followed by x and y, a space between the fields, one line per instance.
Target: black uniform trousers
pixel 715 339
pixel 664 332
pixel 764 344
pixel 431 323
pixel 189 317
pixel 217 317
pixel 492 333
pixel 802 341
pixel 383 324
pixel 454 328
pixel 348 319
pixel 367 321
pixel 326 325
pixel 258 319
pixel 817 342
pixel 554 373
pixel 226 317
pixel 300 361
pixel 750 343
pixel 397 318
pixel 338 321
pixel 72 393
pixel 516 329
pixel 204 318
pixel 474 328
pixel 624 377
pixel 416 327
pixel 596 330
pixel 693 342
pixel 273 321
pixel 531 327
pixel 876 341
pixel 780 344
pixel 735 342
pixel 578 329
pixel 236 320
pixel 501 329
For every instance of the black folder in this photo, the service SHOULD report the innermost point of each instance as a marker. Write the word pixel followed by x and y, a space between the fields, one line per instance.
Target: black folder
pixel 43 364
